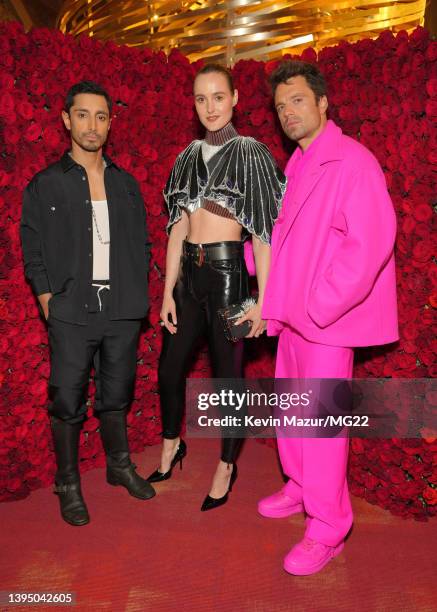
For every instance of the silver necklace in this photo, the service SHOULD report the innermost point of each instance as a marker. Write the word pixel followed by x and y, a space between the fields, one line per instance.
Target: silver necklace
pixel 99 235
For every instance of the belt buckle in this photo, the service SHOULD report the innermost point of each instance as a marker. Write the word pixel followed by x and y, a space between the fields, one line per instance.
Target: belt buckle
pixel 200 256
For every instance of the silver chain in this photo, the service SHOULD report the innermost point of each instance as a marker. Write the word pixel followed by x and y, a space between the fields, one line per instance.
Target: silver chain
pixel 99 236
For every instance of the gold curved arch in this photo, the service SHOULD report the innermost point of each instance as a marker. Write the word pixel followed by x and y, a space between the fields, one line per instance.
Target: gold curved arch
pixel 235 29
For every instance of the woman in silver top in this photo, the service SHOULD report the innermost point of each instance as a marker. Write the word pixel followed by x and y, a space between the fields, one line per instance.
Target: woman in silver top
pixel 221 190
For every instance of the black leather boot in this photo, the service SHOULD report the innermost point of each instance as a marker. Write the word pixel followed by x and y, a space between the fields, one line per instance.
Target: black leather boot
pixel 119 468
pixel 67 479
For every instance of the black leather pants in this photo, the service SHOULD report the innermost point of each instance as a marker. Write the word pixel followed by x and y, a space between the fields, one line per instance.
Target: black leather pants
pixel 200 291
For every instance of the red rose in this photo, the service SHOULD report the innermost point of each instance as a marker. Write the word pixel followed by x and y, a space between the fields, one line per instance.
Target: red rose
pixel 431 52
pixel 33 132
pixel 423 250
pixel 423 212
pixel 6 104
pixel 431 87
pixel 52 137
pixel 141 174
pixel 427 357
pixel 431 108
pixel 430 495
pixel 25 110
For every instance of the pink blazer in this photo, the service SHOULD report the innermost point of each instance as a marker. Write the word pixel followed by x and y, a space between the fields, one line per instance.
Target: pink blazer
pixel 332 275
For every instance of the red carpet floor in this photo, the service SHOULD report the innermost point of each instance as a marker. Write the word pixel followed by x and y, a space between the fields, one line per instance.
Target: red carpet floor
pixel 165 555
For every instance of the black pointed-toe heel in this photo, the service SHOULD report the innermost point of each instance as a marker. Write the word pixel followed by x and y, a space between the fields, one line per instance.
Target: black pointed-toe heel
pixel 209 503
pixel 181 452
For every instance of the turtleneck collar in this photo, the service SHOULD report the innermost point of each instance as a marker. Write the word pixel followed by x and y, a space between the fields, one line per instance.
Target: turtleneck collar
pixel 221 136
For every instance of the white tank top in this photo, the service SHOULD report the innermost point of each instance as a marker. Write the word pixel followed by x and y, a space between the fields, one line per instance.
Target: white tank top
pixel 101 240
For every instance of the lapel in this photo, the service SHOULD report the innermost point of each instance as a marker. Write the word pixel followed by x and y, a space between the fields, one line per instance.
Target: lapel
pixel 328 150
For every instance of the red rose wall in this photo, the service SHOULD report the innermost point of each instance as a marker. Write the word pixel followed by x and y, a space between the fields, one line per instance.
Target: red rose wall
pixel 382 92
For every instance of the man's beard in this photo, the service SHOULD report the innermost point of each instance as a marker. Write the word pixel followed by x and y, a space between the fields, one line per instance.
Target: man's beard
pixel 90 147
pixel 296 132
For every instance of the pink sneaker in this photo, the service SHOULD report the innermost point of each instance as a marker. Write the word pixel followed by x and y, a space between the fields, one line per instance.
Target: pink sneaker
pixel 279 505
pixel 309 557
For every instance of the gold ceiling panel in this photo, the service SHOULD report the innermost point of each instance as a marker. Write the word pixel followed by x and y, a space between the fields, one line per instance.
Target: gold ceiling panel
pixel 235 29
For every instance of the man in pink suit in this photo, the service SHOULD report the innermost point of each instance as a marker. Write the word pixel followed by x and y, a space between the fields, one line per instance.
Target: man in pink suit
pixel 331 287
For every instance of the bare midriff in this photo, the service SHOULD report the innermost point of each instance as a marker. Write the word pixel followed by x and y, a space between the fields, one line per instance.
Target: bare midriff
pixel 206 227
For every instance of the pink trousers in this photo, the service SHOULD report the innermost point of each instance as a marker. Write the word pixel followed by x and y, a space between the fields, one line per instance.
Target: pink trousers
pixel 316 466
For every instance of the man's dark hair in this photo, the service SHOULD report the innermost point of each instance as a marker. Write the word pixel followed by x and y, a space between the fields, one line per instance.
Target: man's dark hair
pixel 86 87
pixel 209 68
pixel 292 68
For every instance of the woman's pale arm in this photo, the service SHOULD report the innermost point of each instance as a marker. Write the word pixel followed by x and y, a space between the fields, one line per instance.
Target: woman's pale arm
pixel 178 233
pixel 261 253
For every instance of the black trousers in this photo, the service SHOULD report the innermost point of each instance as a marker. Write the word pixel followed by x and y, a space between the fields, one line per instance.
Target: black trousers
pixel 73 348
pixel 200 291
